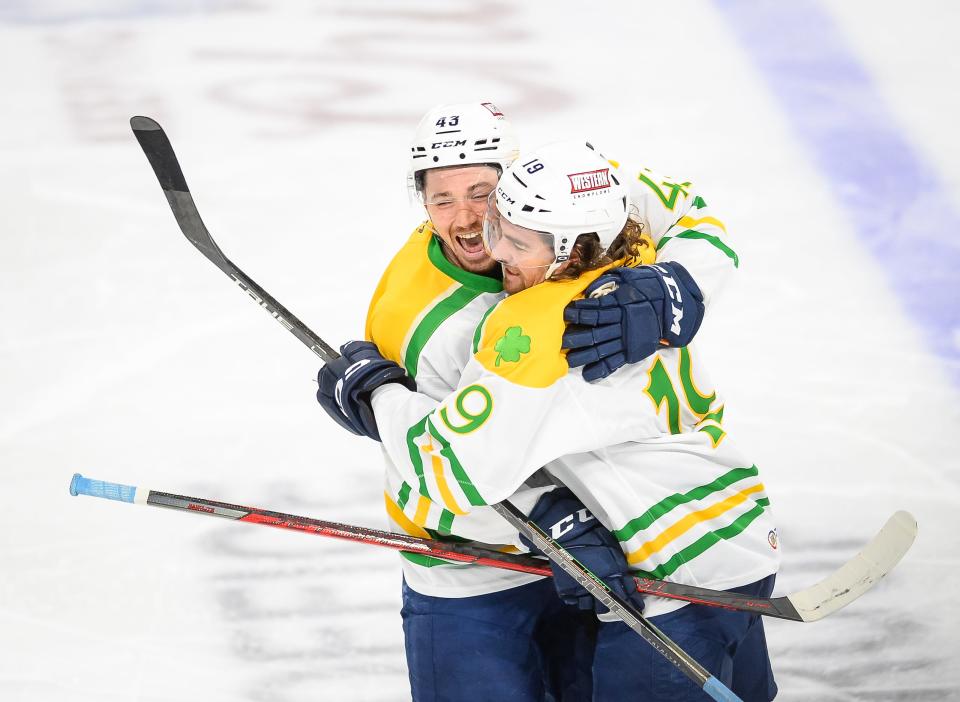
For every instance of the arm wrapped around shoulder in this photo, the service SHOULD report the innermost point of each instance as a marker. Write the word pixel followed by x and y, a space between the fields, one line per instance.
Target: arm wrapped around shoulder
pixel 347 383
pixel 628 313
pixel 561 515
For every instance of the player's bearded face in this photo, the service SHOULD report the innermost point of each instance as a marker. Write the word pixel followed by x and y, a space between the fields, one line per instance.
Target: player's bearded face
pixel 525 255
pixel 456 199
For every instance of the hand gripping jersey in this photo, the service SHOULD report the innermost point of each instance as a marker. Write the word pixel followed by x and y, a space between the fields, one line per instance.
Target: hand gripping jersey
pixel 425 315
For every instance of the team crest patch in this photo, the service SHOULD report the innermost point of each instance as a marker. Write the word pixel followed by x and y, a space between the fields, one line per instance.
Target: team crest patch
pixel 772 539
pixel 511 346
pixel 589 180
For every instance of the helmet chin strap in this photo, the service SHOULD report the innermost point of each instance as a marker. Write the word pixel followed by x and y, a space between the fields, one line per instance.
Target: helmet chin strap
pixel 552 268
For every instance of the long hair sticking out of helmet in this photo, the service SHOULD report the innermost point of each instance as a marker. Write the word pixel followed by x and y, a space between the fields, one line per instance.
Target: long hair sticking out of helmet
pixel 632 245
pixel 568 192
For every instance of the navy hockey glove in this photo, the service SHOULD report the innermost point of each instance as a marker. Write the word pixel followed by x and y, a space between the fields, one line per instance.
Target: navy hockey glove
pixel 648 304
pixel 563 517
pixel 347 382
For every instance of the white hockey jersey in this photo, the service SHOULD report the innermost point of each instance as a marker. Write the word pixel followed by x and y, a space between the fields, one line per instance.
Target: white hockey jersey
pixel 644 449
pixel 426 314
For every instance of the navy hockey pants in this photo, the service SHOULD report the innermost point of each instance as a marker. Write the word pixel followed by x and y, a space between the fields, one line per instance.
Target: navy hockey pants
pixel 516 645
pixel 731 645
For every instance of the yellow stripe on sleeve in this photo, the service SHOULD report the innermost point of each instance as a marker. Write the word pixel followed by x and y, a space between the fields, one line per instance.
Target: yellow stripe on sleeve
pixel 397 515
pixel 423 510
pixel 691 222
pixel 441 478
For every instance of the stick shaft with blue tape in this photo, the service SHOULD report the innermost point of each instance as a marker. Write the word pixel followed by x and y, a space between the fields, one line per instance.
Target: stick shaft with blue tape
pixel 818 599
pixel 462 553
pixel 99 488
pixel 478 554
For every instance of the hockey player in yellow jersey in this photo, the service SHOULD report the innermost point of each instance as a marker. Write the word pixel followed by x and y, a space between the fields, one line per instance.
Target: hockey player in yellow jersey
pixel 424 316
pixel 461 621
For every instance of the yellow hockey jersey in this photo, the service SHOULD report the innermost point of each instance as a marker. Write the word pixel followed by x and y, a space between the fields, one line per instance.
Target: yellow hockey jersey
pixel 423 316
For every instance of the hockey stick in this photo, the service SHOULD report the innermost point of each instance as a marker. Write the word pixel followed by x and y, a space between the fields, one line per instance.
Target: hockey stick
pixel 811 604
pixel 455 552
pixel 159 152
pixel 630 615
pixel 835 591
pixel 480 554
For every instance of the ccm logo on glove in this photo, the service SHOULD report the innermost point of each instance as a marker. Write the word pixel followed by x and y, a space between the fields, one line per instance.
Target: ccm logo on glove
pixel 674 291
pixel 565 525
pixel 338 391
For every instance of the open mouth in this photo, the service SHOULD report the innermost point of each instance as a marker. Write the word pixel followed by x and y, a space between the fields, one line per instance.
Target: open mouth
pixel 471 243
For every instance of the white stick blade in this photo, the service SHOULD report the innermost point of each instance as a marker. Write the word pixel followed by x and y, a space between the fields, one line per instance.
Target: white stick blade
pixel 860 573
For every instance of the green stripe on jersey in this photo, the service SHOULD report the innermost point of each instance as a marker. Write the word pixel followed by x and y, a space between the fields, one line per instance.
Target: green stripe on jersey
pixel 715 240
pixel 665 505
pixel 441 312
pixel 474 281
pixel 403 495
pixel 478 333
pixel 703 543
pixel 446 522
pixel 421 428
pixel 413 432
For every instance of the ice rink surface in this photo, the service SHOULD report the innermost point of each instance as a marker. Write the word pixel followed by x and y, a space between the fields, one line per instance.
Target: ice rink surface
pixel 823 135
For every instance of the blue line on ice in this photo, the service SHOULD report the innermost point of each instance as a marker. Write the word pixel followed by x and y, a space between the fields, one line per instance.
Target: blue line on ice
pixel 66 12
pixel 896 202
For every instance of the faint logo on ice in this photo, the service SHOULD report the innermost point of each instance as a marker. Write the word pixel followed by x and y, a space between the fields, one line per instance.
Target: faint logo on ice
pixel 359 63
pixel 773 539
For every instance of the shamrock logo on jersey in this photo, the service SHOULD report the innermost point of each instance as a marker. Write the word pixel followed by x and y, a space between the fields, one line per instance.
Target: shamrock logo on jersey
pixel 513 344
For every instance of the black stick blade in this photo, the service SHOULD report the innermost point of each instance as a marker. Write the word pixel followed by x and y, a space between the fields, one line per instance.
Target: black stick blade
pixel 159 151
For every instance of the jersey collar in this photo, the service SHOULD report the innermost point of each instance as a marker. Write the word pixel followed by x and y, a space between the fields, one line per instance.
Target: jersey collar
pixel 474 281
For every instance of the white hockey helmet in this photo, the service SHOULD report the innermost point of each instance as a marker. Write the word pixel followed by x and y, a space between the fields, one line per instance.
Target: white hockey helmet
pixel 559 191
pixel 461 134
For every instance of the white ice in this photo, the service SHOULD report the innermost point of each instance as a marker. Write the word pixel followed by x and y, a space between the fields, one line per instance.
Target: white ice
pixel 128 357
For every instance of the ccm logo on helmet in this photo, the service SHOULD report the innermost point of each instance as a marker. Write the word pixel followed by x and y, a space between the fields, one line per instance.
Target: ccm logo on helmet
pixel 445 144
pixel 502 194
pixel 589 180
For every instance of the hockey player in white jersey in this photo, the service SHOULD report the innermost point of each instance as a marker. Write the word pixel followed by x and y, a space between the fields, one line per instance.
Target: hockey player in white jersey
pixel 423 317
